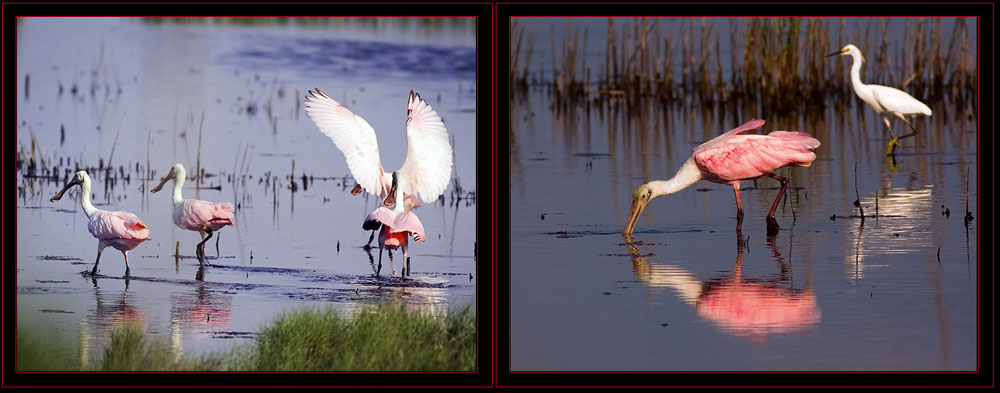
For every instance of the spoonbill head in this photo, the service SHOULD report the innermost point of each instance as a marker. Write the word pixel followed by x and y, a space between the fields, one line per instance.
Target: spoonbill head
pixel 640 198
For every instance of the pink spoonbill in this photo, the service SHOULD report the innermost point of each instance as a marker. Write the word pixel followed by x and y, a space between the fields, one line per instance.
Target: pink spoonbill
pixel 729 159
pixel 196 215
pixel 121 230
pixel 398 224
pixel 426 168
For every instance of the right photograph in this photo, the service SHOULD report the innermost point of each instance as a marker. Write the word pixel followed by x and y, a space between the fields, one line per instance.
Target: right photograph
pixel 744 194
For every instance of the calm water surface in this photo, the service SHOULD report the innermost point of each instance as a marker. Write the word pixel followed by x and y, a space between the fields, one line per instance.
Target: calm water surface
pixel 289 248
pixel 826 293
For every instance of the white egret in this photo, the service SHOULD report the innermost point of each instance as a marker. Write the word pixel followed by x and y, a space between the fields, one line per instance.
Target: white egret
pixel 886 101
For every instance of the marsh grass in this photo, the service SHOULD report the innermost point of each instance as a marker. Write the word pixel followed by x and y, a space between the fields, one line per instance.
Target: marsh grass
pixel 130 349
pixel 779 62
pixel 386 337
pixel 383 338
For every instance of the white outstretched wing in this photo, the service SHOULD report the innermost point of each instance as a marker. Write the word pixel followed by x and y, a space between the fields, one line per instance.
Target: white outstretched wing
pixel 353 136
pixel 427 167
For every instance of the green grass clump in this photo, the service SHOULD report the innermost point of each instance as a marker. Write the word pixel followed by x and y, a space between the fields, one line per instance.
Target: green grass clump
pixel 129 350
pixel 382 338
pixel 377 338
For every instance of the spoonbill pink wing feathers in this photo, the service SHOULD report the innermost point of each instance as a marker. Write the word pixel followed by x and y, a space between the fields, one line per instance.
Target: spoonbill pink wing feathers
pixel 405 222
pixel 735 157
pixel 194 215
pixel 117 225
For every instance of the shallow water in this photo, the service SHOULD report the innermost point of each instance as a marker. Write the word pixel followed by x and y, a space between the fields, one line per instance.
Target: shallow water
pixel 292 245
pixel 826 293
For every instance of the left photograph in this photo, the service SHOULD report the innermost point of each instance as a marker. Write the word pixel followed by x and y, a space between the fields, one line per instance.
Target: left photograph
pixel 246 194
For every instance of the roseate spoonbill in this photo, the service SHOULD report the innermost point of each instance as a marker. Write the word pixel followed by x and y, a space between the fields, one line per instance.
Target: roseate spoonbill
pixel 195 215
pixel 729 159
pixel 886 101
pixel 121 230
pixel 426 169
pixel 397 224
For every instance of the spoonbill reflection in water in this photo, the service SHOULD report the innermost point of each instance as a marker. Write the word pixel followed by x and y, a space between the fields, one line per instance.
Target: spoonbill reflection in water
pixel 729 159
pixel 886 101
pixel 119 229
pixel 742 306
pixel 196 215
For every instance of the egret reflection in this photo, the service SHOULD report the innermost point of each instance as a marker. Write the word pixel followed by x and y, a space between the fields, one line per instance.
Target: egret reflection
pixel 903 215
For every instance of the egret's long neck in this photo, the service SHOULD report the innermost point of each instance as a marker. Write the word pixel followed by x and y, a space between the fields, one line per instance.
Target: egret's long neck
pixel 178 184
pixel 859 87
pixel 686 176
pixel 88 208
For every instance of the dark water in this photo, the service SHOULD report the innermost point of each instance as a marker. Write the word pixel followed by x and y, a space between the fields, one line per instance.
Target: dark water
pixel 826 293
pixel 289 248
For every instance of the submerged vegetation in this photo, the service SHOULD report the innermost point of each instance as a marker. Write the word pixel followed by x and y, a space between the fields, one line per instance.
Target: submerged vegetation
pixel 778 60
pixel 386 337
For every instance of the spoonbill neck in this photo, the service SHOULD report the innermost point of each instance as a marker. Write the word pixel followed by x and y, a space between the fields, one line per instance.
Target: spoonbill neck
pixel 88 208
pixel 686 176
pixel 400 202
pixel 178 184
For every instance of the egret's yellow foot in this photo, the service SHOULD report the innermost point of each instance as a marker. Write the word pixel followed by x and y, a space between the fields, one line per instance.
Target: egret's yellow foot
pixel 891 150
pixel 891 160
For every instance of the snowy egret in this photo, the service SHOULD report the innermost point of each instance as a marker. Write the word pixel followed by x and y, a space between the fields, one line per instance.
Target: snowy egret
pixel 886 101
